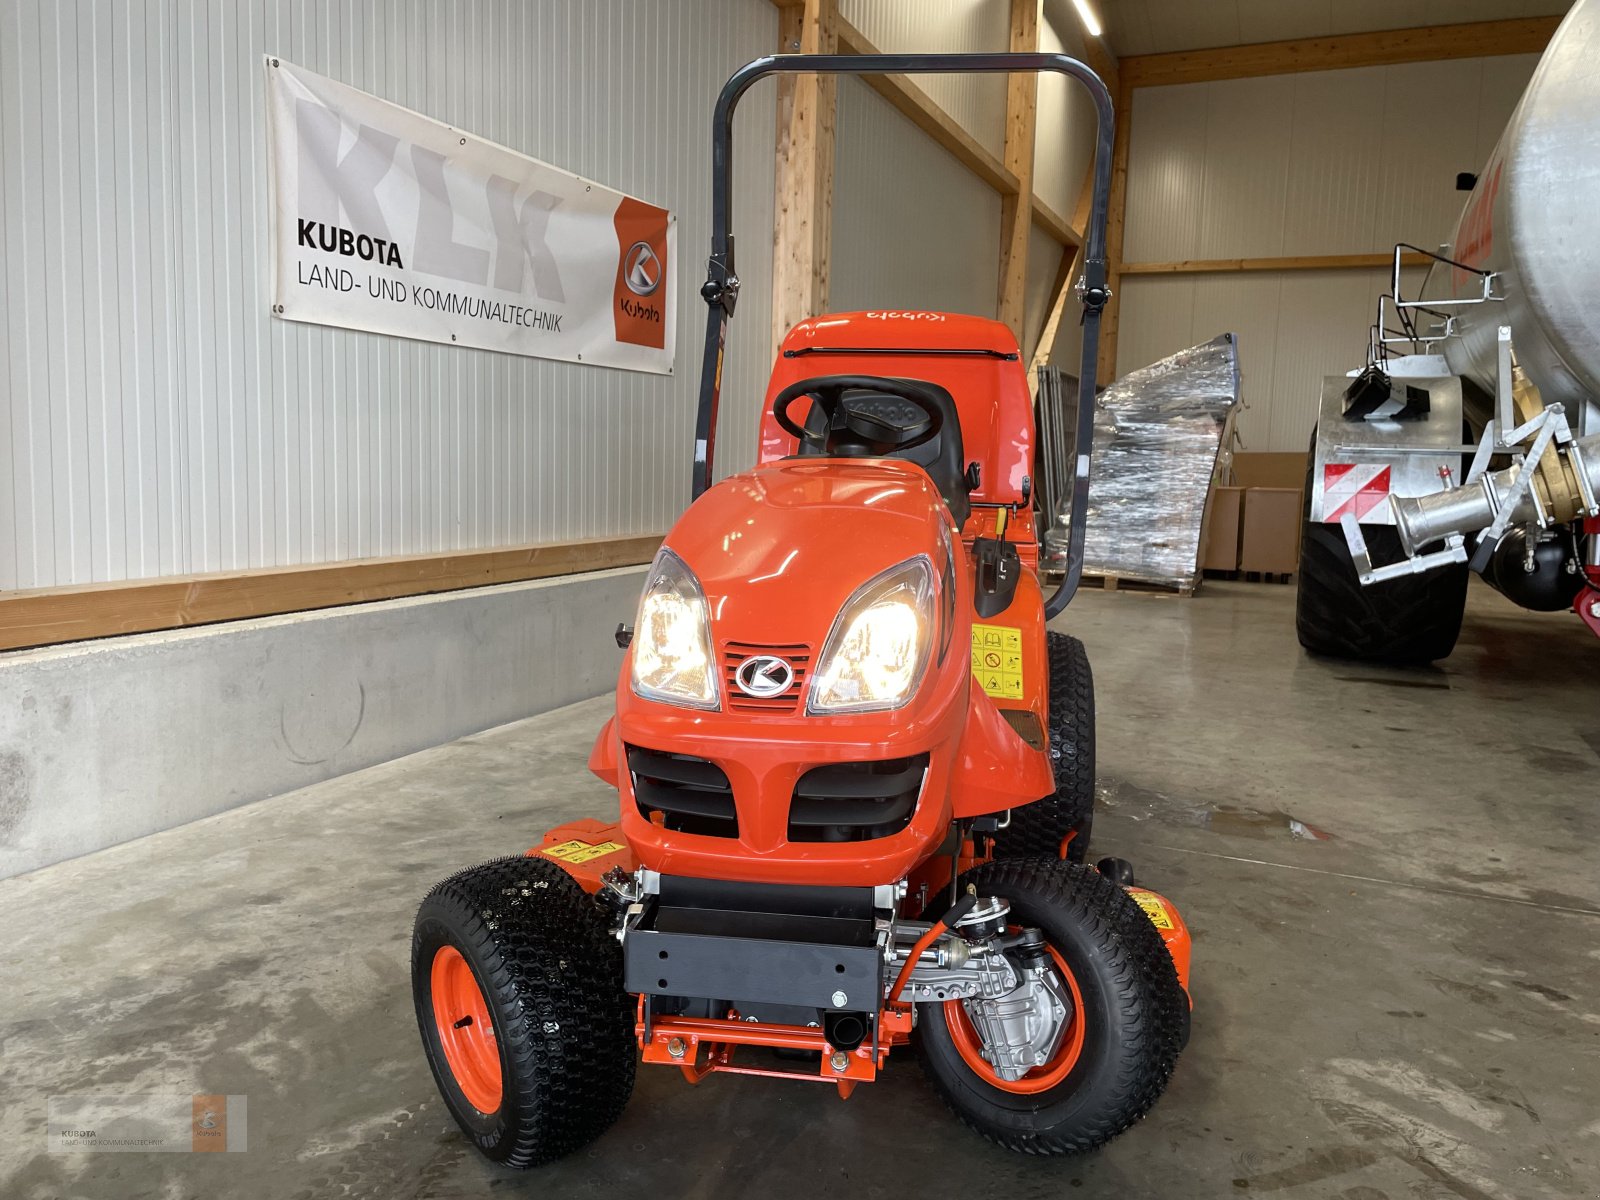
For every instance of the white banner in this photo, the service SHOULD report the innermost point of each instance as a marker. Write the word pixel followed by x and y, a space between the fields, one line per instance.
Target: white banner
pixel 389 221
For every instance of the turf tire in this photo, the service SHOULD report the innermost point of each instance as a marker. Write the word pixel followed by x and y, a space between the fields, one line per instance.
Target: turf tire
pixel 552 980
pixel 1136 1010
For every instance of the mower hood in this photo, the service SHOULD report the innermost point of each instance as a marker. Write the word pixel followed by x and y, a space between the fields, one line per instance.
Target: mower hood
pixel 778 550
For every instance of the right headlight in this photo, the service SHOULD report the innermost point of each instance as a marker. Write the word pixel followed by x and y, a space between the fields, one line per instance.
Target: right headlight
pixel 877 650
pixel 672 638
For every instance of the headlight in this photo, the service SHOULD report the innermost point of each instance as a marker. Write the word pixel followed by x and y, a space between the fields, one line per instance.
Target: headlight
pixel 672 637
pixel 878 648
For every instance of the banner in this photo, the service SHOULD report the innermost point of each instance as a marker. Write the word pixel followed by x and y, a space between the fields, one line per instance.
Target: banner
pixel 389 221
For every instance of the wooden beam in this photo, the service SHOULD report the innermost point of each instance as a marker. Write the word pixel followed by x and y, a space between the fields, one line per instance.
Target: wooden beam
pixel 1475 39
pixel 69 614
pixel 803 199
pixel 1016 211
pixel 1106 368
pixel 1303 262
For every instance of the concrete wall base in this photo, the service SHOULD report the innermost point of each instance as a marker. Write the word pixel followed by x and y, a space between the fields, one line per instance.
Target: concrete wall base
pixel 105 741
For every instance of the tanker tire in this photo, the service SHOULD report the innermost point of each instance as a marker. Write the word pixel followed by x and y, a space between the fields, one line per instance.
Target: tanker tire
pixel 1405 622
pixel 552 979
pixel 1039 828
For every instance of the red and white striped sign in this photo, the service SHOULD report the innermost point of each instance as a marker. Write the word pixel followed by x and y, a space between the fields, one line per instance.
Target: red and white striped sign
pixel 1355 488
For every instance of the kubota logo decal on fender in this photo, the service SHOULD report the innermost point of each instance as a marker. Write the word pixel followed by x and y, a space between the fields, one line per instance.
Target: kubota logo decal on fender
pixel 764 676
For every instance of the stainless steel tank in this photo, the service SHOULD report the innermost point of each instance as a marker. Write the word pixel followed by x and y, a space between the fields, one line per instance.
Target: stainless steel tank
pixel 1534 217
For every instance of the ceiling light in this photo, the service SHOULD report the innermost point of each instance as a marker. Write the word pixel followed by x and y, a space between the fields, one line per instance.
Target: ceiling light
pixel 1091 23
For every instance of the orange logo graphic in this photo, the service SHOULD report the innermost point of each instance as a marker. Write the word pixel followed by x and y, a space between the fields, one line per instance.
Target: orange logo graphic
pixel 210 1127
pixel 638 304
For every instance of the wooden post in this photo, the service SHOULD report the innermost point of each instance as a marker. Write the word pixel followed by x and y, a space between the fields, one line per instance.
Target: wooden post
pixel 1016 211
pixel 1114 227
pixel 803 198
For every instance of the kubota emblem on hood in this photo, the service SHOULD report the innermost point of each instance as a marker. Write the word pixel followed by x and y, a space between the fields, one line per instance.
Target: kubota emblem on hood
pixel 764 676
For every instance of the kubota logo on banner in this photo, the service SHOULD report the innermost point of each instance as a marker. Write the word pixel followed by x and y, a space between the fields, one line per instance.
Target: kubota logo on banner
pixel 389 221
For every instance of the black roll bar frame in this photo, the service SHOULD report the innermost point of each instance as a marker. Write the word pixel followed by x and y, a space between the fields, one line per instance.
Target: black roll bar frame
pixel 721 288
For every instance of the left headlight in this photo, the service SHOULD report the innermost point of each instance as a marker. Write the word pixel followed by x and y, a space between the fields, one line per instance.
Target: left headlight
pixel 878 647
pixel 672 638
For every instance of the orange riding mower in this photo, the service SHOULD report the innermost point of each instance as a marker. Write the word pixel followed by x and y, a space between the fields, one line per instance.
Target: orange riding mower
pixel 855 771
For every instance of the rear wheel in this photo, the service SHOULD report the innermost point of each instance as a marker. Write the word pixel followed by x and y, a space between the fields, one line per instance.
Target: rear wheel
pixel 1126 1026
pixel 518 993
pixel 1044 827
pixel 1407 621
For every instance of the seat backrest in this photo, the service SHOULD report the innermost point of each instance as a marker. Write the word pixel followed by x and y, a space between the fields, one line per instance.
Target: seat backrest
pixel 941 457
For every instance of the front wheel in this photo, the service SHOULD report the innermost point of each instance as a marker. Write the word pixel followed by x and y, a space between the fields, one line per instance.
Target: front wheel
pixel 519 999
pixel 1126 1022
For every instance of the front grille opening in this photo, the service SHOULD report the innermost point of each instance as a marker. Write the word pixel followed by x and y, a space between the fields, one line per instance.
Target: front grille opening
pixel 856 802
pixel 734 654
pixel 690 794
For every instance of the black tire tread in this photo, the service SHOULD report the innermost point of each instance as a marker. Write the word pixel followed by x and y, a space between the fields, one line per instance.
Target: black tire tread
pixel 1037 828
pixel 555 975
pixel 1404 622
pixel 1140 978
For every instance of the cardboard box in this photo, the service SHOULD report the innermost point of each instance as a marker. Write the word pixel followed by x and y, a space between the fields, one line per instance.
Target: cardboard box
pixel 1270 469
pixel 1270 538
pixel 1219 540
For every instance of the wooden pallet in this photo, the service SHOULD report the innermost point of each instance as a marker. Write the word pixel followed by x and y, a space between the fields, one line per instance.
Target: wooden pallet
pixel 1118 583
pixel 1251 576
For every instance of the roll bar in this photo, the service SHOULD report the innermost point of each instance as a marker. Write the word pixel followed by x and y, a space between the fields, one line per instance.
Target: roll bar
pixel 721 288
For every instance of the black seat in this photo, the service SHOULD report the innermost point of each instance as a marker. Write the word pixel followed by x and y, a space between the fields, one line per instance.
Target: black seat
pixel 941 458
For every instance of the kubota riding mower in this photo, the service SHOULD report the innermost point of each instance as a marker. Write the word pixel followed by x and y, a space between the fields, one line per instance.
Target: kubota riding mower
pixel 856 773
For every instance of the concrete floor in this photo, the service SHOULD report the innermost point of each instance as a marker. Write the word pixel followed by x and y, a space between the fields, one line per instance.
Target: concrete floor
pixel 1406 1009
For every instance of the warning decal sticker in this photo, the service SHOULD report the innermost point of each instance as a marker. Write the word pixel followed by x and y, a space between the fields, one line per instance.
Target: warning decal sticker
pixel 997 660
pixel 1153 908
pixel 579 852
pixel 1355 488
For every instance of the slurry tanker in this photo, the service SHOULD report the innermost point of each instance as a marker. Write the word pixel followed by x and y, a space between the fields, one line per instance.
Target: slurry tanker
pixel 1470 441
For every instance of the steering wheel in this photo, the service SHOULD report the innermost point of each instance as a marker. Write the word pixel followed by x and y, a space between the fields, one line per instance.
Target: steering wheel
pixel 853 431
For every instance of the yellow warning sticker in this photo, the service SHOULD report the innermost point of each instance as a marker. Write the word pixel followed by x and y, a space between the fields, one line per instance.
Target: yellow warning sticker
pixel 997 660
pixel 1153 908
pixel 579 852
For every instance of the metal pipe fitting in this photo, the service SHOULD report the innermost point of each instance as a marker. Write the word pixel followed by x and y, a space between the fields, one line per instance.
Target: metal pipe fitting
pixel 1420 520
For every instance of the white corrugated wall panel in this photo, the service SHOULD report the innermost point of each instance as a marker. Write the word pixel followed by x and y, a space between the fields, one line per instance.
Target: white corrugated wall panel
pixel 1327 162
pixel 912 227
pixel 1044 261
pixel 1334 176
pixel 1166 176
pixel 1241 205
pixel 977 102
pixel 1065 129
pixel 1336 162
pixel 158 421
pixel 1155 26
pixel 1294 328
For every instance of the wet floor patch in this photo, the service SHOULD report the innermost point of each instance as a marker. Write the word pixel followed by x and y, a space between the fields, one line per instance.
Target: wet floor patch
pixel 1143 804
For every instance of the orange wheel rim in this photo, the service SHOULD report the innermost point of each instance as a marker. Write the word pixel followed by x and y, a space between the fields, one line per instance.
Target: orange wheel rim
pixel 466 1030
pixel 1043 1077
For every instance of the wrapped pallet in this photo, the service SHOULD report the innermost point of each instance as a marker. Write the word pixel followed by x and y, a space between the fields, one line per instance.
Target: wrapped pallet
pixel 1157 434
